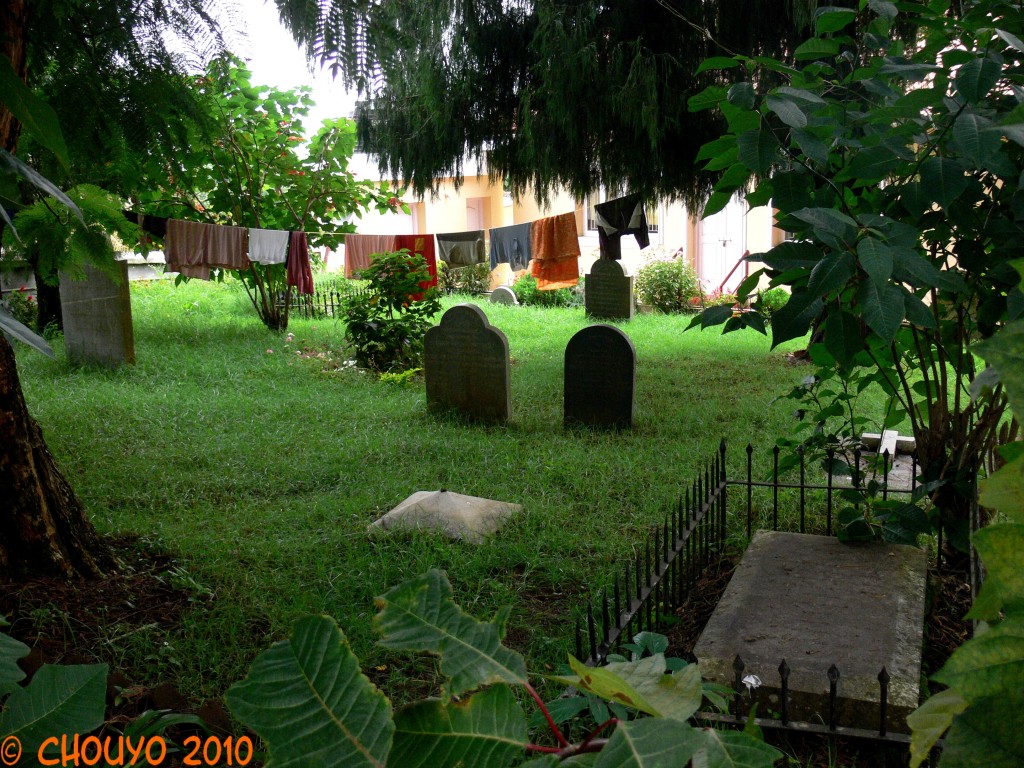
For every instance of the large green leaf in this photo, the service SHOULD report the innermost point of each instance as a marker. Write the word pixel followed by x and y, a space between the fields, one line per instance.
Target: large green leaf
pixel 831 273
pixel 420 615
pixel 487 729
pixel 308 700
pixel 976 138
pixel 643 685
pixel 10 651
pixel 735 749
pixel 842 336
pixel 830 226
pixel 929 721
pixel 787 109
pixel 757 150
pixel 1004 490
pixel 832 19
pixel 988 733
pixel 870 166
pixel 976 78
pixel 651 743
pixel 990 664
pixel 881 307
pixel 1000 547
pixel 794 319
pixel 1005 352
pixel 943 179
pixel 60 699
pixel 15 166
pixel 35 115
pixel 816 48
pixel 876 259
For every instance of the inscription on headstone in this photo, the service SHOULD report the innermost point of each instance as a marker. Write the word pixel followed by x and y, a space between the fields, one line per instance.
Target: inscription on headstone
pixel 97 314
pixel 608 291
pixel 466 366
pixel 600 374
pixel 504 295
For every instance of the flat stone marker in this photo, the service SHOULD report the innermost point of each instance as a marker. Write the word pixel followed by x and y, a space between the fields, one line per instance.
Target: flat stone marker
pixel 466 366
pixel 504 295
pixel 97 315
pixel 466 518
pixel 600 377
pixel 815 602
pixel 608 292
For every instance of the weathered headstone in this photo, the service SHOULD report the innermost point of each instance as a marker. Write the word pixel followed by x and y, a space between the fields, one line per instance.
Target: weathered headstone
pixel 504 295
pixel 97 314
pixel 600 376
pixel 455 515
pixel 815 602
pixel 466 366
pixel 608 291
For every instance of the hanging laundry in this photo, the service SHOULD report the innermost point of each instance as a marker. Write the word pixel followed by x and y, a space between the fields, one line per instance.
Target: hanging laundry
pixel 192 248
pixel 511 245
pixel 461 249
pixel 360 249
pixel 300 273
pixel 152 225
pixel 556 252
pixel 424 246
pixel 615 218
pixel 268 246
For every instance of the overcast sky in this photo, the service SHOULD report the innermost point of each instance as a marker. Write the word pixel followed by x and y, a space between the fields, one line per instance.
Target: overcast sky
pixel 275 59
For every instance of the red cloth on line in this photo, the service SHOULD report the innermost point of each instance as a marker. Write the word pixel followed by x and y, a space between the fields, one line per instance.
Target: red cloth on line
pixel 299 271
pixel 191 248
pixel 555 248
pixel 424 246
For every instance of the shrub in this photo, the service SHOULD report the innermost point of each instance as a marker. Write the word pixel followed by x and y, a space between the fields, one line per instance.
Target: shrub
pixel 526 292
pixel 23 306
pixel 670 285
pixel 473 280
pixel 719 299
pixel 771 300
pixel 387 323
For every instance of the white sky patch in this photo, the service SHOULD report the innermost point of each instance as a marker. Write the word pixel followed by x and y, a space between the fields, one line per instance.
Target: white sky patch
pixel 275 59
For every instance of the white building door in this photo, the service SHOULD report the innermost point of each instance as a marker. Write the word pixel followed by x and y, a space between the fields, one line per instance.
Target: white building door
pixel 721 243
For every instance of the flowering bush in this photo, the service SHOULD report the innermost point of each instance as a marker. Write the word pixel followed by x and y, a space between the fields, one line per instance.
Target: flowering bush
pixel 668 284
pixel 23 306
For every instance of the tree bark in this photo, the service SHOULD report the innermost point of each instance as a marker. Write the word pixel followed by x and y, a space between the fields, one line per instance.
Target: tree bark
pixel 43 526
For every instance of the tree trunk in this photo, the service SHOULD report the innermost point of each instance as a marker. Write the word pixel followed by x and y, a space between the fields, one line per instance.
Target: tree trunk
pixel 48 301
pixel 43 526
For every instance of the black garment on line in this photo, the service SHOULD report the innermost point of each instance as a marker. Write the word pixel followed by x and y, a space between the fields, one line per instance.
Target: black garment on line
pixel 615 218
pixel 152 225
pixel 511 245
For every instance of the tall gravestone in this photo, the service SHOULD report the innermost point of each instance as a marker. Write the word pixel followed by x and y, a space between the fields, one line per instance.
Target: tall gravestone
pixel 466 366
pixel 97 315
pixel 608 291
pixel 600 376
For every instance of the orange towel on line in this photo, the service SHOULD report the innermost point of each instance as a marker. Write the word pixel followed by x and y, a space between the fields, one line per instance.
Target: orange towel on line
pixel 192 248
pixel 555 248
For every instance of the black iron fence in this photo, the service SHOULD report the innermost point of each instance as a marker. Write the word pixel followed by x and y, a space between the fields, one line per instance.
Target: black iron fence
pixel 323 303
pixel 679 552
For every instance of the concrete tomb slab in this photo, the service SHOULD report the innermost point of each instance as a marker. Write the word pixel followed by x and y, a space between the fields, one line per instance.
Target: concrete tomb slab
pixel 608 291
pixel 466 366
pixel 600 378
pixel 504 295
pixel 455 515
pixel 815 602
pixel 97 315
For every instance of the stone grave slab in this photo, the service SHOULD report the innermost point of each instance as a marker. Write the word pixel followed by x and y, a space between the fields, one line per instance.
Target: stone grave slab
pixel 466 518
pixel 97 315
pixel 608 291
pixel 600 378
pixel 815 602
pixel 504 295
pixel 466 366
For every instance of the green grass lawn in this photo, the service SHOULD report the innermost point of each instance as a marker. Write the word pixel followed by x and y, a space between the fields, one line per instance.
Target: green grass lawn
pixel 260 463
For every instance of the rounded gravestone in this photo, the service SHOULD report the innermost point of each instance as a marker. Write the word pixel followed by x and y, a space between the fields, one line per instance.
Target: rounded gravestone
pixel 608 291
pixel 600 377
pixel 504 295
pixel 466 366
